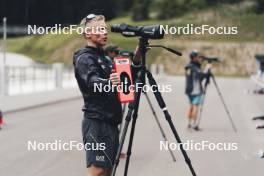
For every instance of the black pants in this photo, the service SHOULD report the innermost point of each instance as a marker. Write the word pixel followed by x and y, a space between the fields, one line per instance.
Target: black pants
pixel 101 141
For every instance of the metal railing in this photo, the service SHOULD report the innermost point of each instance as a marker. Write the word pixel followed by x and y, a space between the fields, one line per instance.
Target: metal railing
pixel 68 78
pixel 37 78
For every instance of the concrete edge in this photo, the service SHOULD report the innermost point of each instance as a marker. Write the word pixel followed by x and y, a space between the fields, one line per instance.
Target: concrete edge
pixel 42 104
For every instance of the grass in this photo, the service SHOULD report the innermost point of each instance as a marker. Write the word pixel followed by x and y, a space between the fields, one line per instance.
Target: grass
pixel 59 48
pixel 38 47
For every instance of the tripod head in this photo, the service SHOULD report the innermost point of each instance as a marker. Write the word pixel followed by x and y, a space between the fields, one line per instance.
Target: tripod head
pixel 166 48
pixel 144 46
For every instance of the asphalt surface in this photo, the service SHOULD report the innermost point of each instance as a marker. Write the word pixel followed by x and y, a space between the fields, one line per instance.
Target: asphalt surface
pixel 10 104
pixel 62 121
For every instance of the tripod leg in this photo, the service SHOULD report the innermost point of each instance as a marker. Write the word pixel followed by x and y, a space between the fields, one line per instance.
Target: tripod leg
pixel 223 101
pixel 168 118
pixel 135 115
pixel 201 108
pixel 124 109
pixel 131 138
pixel 122 122
pixel 159 125
pixel 131 108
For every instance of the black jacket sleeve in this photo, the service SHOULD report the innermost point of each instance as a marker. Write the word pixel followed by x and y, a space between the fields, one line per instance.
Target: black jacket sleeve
pixel 89 72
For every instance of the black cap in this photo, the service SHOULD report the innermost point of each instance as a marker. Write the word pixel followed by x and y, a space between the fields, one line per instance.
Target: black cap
pixel 194 53
pixel 111 48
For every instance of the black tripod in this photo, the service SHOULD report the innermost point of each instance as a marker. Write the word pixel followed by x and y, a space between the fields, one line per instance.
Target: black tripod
pixel 133 111
pixel 207 82
pixel 222 100
pixel 157 121
pixel 159 125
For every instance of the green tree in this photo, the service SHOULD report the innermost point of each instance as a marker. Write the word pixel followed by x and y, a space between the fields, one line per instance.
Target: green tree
pixel 259 6
pixel 49 12
pixel 215 2
pixel 126 5
pixel 212 2
pixel 195 4
pixel 140 10
pixel 230 1
pixel 170 8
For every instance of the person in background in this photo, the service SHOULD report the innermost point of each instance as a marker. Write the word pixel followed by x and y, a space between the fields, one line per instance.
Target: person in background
pixel 111 51
pixel 194 89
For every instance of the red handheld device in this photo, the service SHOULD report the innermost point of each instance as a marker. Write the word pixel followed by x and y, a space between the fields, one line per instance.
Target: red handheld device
pixel 125 89
pixel 1 118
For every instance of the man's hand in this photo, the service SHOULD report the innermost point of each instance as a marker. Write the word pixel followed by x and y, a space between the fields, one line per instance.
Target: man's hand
pixel 114 78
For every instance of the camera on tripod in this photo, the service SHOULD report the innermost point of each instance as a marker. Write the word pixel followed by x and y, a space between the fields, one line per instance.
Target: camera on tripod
pixel 210 59
pixel 149 32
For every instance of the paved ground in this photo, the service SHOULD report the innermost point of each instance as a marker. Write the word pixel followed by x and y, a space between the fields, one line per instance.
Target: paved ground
pixel 62 122
pixel 26 101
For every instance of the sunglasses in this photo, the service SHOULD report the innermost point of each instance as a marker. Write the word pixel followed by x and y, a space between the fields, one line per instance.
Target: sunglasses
pixel 89 17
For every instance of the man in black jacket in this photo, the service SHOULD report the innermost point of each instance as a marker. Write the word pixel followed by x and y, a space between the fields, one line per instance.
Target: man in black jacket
pixel 194 88
pixel 102 109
